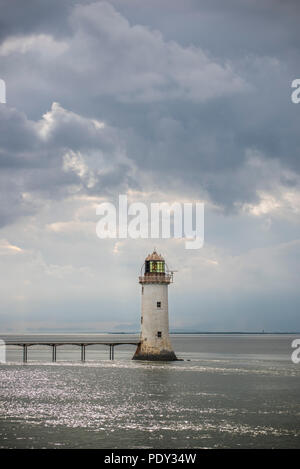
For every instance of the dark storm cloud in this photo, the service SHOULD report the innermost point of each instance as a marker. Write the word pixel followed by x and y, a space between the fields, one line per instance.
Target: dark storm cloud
pixel 190 95
pixel 19 18
pixel 228 29
pixel 46 158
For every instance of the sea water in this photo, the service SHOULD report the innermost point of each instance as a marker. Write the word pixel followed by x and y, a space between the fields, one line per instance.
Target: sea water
pixel 230 391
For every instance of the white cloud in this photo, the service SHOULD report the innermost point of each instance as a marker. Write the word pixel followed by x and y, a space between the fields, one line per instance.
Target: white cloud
pixel 58 116
pixel 43 44
pixel 7 248
pixel 73 226
pixel 75 162
pixel 286 203
pixel 280 195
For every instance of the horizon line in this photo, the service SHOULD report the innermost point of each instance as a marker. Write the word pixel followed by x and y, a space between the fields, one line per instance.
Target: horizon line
pixel 65 332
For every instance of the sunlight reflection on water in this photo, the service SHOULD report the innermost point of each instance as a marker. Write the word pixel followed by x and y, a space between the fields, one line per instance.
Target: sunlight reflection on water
pixel 222 401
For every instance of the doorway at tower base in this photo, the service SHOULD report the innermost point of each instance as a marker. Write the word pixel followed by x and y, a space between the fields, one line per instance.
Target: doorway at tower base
pixel 154 355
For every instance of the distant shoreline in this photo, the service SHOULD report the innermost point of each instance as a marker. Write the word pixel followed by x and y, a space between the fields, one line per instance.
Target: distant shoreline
pixel 137 332
pixel 238 333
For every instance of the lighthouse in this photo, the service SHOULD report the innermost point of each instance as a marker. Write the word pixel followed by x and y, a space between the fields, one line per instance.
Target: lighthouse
pixel 155 341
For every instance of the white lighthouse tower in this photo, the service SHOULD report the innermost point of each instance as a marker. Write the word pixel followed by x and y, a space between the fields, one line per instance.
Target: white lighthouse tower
pixel 155 341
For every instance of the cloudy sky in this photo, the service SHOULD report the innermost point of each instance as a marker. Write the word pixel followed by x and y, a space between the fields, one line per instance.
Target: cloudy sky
pixel 163 101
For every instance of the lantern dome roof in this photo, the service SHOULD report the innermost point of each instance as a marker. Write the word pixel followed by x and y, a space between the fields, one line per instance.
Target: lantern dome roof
pixel 154 257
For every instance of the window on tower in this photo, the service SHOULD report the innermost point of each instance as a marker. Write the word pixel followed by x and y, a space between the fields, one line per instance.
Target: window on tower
pixel 158 304
pixel 158 333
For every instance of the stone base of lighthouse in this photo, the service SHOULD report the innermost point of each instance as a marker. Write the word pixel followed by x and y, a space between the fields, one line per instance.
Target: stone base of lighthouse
pixel 152 353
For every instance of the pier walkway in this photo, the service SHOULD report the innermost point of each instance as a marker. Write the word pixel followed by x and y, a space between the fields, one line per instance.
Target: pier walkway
pixel 81 344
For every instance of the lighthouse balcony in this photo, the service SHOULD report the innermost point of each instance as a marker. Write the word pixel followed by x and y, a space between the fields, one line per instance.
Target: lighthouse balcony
pixel 156 278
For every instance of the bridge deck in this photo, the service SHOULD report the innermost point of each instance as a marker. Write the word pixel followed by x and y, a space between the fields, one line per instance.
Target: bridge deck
pixel 72 342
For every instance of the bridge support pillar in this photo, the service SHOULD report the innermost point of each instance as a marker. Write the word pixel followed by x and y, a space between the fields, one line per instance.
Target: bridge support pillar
pixel 111 352
pixel 24 353
pixel 54 353
pixel 82 352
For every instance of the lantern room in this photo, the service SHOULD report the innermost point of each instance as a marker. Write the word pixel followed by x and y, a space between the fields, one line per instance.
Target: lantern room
pixel 155 270
pixel 154 264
